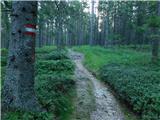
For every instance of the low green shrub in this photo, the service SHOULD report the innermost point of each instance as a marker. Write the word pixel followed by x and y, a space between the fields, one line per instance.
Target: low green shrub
pixel 49 66
pixel 54 86
pixel 140 87
pixel 4 52
pixel 3 61
pixel 54 83
pixel 3 71
pixel 58 82
pixel 23 115
pixel 56 55
pixel 45 49
pixel 51 88
pixel 96 57
pixel 64 105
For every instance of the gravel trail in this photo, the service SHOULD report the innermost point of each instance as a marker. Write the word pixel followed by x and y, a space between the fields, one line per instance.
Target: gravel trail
pixel 94 100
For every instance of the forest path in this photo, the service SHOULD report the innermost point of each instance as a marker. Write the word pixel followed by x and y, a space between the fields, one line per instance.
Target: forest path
pixel 94 100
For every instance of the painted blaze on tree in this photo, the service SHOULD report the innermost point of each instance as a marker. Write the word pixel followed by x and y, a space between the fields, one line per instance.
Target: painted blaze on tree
pixel 18 91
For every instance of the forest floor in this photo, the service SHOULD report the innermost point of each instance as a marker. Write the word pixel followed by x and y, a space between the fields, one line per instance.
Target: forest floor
pixel 94 100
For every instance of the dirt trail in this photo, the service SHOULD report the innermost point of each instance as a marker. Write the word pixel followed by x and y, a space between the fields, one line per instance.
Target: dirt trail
pixel 94 100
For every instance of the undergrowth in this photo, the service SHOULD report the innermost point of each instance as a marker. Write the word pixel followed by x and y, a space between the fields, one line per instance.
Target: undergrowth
pixel 96 57
pixel 130 73
pixel 138 87
pixel 54 86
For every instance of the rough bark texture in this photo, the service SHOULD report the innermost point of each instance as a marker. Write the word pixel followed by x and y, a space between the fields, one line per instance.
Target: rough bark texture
pixel 18 89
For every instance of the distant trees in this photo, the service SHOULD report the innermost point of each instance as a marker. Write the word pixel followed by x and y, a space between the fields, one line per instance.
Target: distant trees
pixel 5 23
pixel 126 21
pixel 18 91
pixel 130 23
pixel 92 23
pixel 62 23
pixel 104 25
pixel 46 23
pixel 71 23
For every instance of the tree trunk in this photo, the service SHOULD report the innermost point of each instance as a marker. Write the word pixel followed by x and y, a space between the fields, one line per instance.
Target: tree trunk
pixel 18 91
pixel 106 30
pixel 155 46
pixel 57 31
pixel 91 24
pixel 39 38
pixel 155 42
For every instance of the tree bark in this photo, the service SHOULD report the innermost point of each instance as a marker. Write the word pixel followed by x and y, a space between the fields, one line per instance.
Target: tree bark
pixel 39 38
pixel 18 91
pixel 155 45
pixel 106 30
pixel 155 42
pixel 91 24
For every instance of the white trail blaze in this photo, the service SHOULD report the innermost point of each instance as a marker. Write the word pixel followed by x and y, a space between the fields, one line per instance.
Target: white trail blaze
pixel 27 29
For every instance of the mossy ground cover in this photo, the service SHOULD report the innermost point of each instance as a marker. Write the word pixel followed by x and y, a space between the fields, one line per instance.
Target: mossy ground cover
pixel 130 73
pixel 54 86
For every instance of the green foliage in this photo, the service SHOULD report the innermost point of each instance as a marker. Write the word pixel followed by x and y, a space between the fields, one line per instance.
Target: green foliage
pixel 4 52
pixel 154 36
pixel 3 71
pixel 23 115
pixel 49 66
pixel 57 55
pixel 96 57
pixel 45 49
pixel 132 76
pixel 154 21
pixel 3 60
pixel 50 87
pixel 141 29
pixel 54 86
pixel 64 105
pixel 117 37
pixel 139 87
pixel 54 83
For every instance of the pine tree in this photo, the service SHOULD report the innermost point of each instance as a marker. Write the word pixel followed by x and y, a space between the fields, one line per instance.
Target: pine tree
pixel 18 91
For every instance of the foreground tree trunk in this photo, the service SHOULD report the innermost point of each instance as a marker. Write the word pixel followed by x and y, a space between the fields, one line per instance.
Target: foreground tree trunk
pixel 18 91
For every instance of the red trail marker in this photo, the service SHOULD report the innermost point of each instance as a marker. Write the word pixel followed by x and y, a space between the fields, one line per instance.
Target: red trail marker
pixel 30 29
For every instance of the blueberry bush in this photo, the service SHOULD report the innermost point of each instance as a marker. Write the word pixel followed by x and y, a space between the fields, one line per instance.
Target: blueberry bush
pixel 139 87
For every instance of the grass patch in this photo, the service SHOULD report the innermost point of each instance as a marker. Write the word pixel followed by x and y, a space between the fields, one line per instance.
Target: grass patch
pixel 96 57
